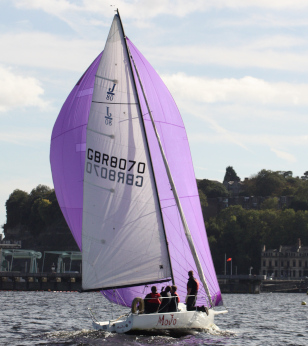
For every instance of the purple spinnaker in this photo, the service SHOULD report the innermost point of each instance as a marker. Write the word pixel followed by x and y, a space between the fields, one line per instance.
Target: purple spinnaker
pixel 67 150
pixel 173 136
pixel 67 158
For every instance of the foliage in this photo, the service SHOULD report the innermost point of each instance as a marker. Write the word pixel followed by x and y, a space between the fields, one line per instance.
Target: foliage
pixel 34 211
pixel 270 203
pixel 240 234
pixel 203 199
pixel 16 208
pixel 231 175
pixel 212 188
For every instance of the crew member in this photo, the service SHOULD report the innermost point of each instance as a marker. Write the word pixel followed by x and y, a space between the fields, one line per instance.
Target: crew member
pixel 166 295
pixel 192 291
pixel 175 299
pixel 152 301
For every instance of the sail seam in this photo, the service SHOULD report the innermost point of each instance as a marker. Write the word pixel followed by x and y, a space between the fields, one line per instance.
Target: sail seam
pixel 115 103
pixel 130 285
pixel 72 129
pixel 111 80
pixel 101 133
pixel 110 190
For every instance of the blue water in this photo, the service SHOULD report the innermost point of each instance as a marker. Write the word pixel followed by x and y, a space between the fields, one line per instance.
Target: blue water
pixel 59 318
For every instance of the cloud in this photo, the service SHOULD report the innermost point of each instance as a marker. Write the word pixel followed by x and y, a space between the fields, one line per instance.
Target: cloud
pixel 253 140
pixel 246 90
pixel 26 137
pixel 48 51
pixel 146 9
pixel 17 91
pixel 237 55
pixel 284 155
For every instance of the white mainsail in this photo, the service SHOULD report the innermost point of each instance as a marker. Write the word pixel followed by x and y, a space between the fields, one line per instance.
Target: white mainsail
pixel 123 240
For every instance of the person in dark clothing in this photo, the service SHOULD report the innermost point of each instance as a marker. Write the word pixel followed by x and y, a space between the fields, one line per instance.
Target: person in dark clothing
pixel 165 302
pixel 192 291
pixel 152 301
pixel 174 301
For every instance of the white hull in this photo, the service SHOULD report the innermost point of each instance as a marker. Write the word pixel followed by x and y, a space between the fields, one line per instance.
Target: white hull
pixel 182 320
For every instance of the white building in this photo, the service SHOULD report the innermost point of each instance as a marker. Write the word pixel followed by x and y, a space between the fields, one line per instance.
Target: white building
pixel 285 262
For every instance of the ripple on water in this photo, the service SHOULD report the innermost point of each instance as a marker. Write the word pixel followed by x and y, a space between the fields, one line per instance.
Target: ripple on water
pixel 33 318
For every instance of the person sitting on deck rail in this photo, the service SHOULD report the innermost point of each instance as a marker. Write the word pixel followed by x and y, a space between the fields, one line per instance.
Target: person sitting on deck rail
pixel 166 295
pixel 152 301
pixel 174 301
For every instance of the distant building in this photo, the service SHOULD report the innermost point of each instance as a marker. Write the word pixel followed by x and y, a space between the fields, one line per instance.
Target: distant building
pixel 234 187
pixel 287 262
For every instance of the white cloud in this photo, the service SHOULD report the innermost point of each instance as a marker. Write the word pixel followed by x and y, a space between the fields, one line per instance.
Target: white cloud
pixel 246 90
pixel 26 137
pixel 238 56
pixel 253 140
pixel 17 91
pixel 48 51
pixel 58 52
pixel 146 9
pixel 284 155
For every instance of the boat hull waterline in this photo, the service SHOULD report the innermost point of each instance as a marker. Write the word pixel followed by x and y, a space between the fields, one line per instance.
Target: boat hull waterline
pixel 182 320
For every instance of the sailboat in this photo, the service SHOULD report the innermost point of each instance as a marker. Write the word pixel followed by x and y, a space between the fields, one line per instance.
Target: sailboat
pixel 125 183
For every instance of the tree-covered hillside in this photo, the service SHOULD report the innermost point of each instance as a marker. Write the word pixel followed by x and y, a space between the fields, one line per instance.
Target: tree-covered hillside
pixel 238 232
pixel 36 220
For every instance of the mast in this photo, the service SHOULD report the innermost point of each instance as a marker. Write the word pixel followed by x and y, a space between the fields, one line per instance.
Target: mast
pixel 129 55
pixel 175 194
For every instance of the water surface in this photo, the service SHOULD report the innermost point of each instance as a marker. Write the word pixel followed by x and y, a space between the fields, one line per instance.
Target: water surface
pixel 60 318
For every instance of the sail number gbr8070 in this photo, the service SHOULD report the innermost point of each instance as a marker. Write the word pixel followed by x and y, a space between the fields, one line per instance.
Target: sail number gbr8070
pixel 112 168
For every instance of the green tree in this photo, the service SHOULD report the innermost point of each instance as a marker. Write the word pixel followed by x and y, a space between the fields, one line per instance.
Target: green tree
pixel 203 199
pixel 212 188
pixel 231 175
pixel 16 208
pixel 270 203
pixel 300 201
pixel 269 183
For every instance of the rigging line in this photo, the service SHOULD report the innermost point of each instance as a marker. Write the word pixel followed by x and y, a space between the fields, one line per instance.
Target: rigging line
pixel 103 188
pixel 72 129
pixel 165 122
pixel 116 103
pixel 122 299
pixel 101 133
pixel 169 206
pixel 110 80
pixel 172 198
pixel 150 77
pixel 207 260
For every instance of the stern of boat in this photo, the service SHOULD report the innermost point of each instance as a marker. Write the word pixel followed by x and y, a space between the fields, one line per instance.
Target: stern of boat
pixel 121 325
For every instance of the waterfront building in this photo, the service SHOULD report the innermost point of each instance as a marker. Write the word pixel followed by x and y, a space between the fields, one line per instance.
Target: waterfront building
pixel 287 262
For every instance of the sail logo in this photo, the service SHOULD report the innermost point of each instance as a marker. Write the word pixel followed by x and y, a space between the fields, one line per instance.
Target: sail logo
pixel 108 118
pixel 114 164
pixel 166 321
pixel 110 93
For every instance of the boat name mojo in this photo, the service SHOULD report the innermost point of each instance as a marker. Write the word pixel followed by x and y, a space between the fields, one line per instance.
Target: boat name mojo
pixel 166 322
pixel 114 162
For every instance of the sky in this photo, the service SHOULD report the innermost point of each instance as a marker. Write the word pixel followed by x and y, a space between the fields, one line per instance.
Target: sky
pixel 237 70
